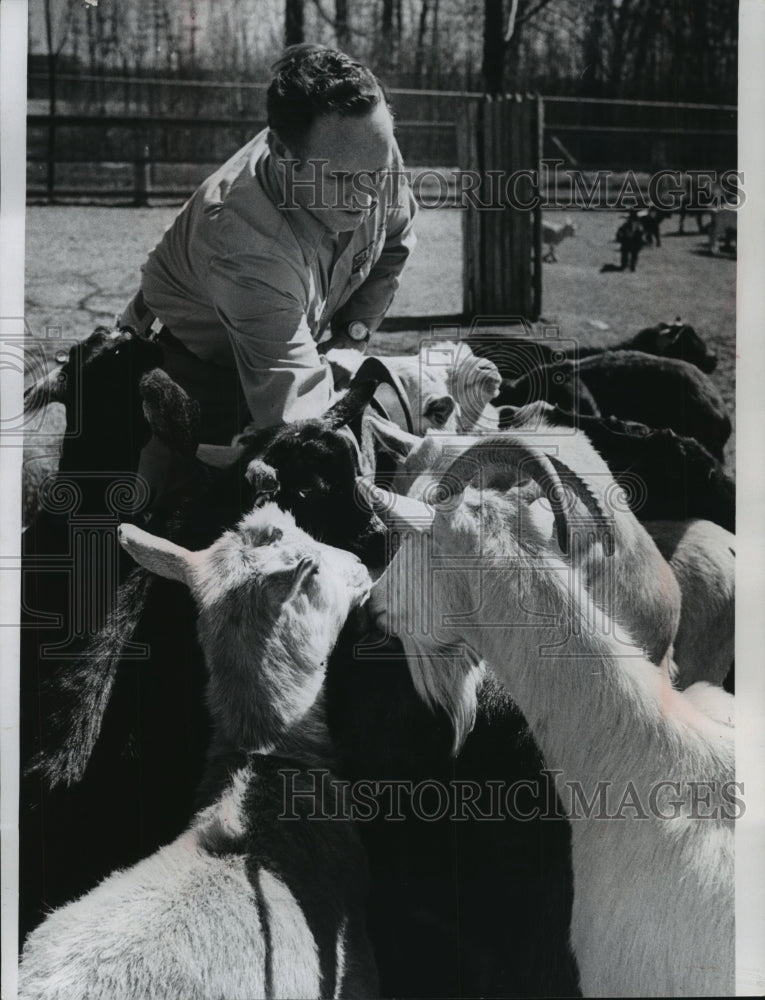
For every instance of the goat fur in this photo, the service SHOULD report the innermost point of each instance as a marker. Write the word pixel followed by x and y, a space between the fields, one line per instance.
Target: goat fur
pixel 653 907
pixel 241 904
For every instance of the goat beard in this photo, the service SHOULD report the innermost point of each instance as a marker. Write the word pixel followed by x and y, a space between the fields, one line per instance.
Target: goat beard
pixel 447 676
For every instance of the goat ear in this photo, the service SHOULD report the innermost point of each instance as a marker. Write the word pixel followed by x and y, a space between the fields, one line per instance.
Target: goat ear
pixel 398 512
pixel 390 438
pixel 156 554
pixel 171 413
pixel 438 409
pixel 283 584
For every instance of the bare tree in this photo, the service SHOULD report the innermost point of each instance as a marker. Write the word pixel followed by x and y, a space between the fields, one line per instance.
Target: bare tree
pixel 57 27
pixel 502 35
pixel 294 23
pixel 342 26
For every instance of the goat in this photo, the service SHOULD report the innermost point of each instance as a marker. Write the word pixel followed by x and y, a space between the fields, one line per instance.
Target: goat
pixel 664 476
pixel 553 233
pixel 516 356
pixel 471 890
pixel 130 737
pixel 700 554
pixel 244 903
pixel 114 397
pixel 447 386
pixel 657 392
pixel 673 340
pixel 702 557
pixel 653 911
pixel 639 589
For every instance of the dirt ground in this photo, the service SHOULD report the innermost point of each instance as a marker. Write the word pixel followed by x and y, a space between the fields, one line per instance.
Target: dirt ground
pixel 83 264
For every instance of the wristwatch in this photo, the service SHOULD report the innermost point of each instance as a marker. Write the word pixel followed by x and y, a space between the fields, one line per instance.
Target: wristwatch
pixel 358 330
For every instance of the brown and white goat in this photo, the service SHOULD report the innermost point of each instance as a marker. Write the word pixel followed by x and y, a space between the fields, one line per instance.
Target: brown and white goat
pixel 245 903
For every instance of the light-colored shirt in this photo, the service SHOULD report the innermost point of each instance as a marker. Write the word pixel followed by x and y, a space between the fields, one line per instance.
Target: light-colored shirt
pixel 244 283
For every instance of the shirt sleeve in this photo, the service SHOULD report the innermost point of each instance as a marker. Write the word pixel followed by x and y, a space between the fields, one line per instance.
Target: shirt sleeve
pixel 282 374
pixel 371 300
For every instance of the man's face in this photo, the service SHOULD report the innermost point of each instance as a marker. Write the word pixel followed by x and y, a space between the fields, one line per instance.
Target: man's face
pixel 342 160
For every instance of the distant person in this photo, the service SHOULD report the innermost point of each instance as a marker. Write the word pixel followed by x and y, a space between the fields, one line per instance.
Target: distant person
pixel 294 245
pixel 630 236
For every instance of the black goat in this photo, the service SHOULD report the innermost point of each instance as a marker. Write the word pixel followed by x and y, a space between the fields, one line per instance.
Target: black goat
pixel 469 856
pixel 115 396
pixel 515 356
pixel 664 476
pixel 657 392
pixel 673 340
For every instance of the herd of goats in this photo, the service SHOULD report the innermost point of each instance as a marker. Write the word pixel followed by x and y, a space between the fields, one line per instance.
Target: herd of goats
pixel 430 696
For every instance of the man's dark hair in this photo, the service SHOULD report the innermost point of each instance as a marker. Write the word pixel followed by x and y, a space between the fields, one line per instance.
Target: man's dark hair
pixel 313 80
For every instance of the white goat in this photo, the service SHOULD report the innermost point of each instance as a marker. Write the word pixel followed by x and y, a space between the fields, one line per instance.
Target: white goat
pixel 636 586
pixel 448 387
pixel 653 885
pixel 243 904
pixel 702 555
pixel 553 233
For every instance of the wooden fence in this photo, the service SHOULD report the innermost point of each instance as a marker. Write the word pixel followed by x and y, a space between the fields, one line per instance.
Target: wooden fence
pixel 500 144
pixel 129 137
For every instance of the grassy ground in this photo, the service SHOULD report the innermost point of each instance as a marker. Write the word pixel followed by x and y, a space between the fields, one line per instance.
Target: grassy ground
pixel 83 265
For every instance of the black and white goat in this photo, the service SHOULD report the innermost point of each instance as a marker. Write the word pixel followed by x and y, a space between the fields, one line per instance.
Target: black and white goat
pixel 245 903
pixel 493 578
pixel 478 900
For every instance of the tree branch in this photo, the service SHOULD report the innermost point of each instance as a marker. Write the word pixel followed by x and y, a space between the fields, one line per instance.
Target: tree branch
pixel 333 23
pixel 532 12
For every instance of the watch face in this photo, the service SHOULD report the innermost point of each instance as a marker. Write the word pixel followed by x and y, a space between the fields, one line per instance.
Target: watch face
pixel 358 331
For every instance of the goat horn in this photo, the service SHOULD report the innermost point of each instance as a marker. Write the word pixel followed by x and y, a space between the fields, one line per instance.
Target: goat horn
pixel 49 389
pixel 351 403
pixel 504 451
pixel 588 498
pixel 371 373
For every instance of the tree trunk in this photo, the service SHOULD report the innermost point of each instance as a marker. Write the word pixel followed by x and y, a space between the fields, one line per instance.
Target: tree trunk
pixel 342 29
pixel 419 55
pixel 493 47
pixel 52 103
pixel 293 22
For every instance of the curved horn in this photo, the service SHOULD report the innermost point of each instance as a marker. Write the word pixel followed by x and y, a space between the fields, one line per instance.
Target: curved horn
pixel 49 389
pixel 379 371
pixel 588 498
pixel 504 451
pixel 351 404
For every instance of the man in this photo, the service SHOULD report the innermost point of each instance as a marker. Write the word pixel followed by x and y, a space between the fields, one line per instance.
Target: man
pixel 630 237
pixel 298 240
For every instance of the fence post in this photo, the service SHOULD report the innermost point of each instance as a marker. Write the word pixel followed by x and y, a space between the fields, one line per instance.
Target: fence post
pixel 141 179
pixel 502 238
